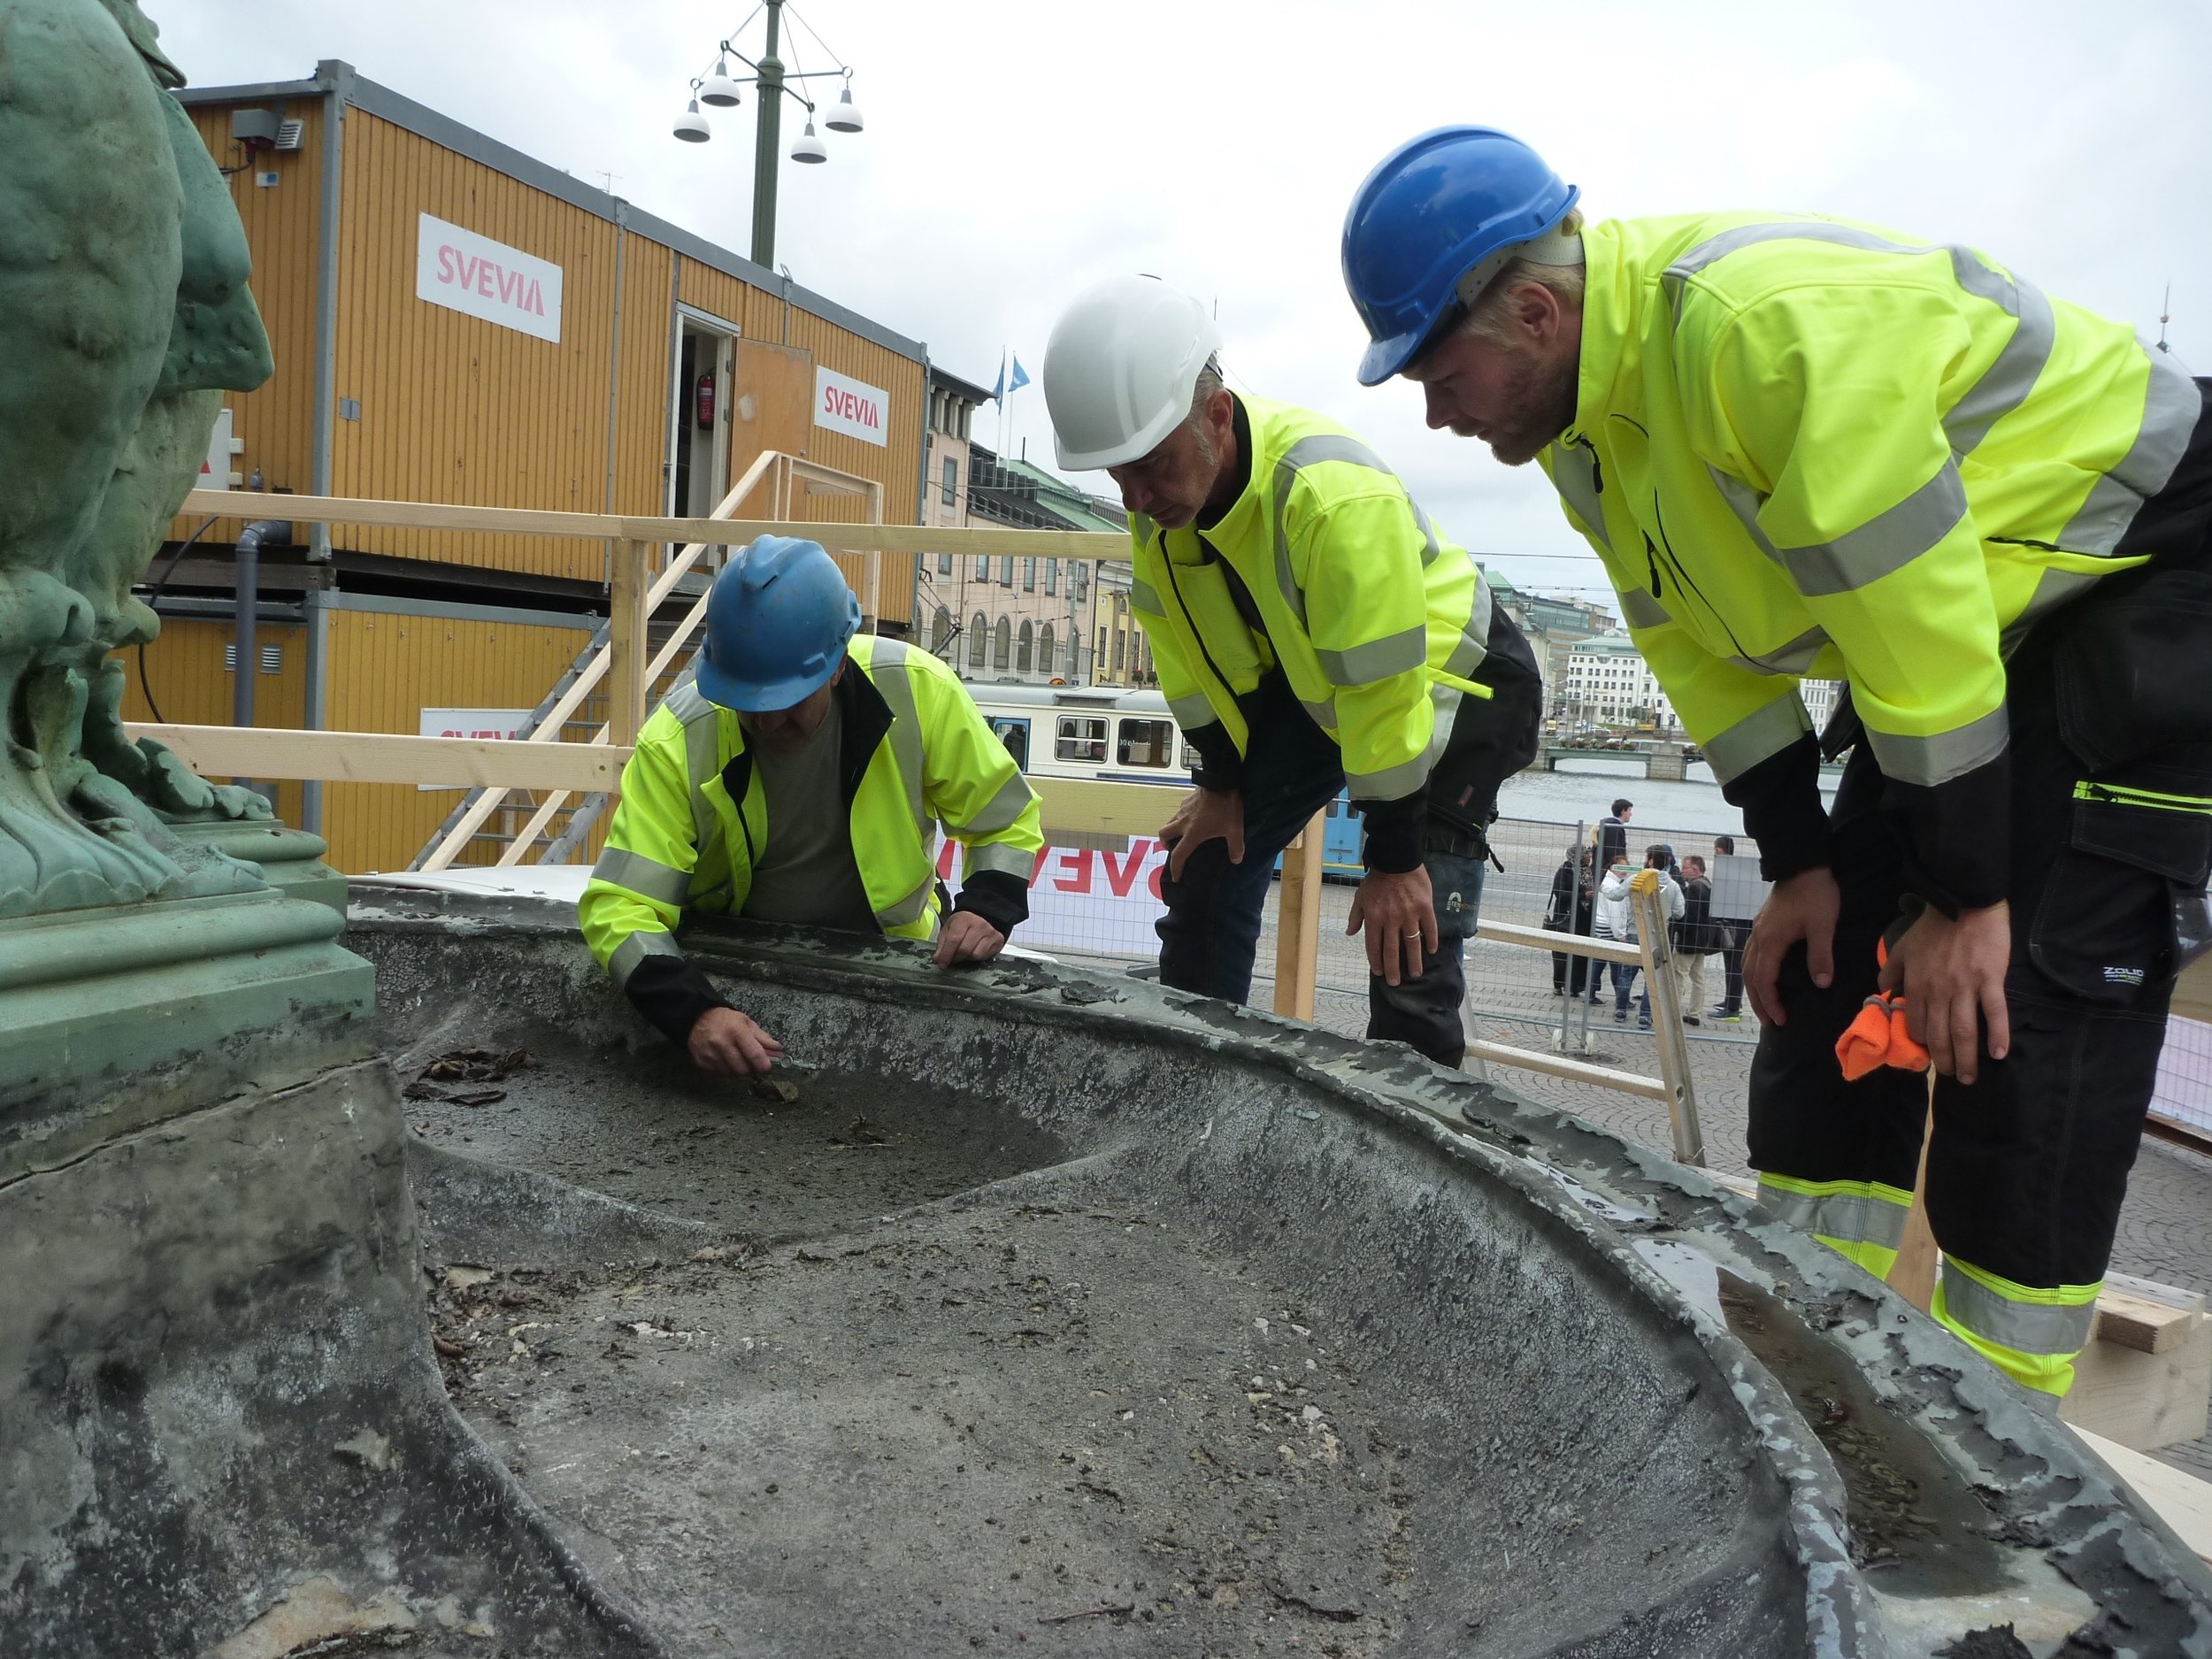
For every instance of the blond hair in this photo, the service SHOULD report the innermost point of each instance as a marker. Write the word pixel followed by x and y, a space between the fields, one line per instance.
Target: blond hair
pixel 1491 318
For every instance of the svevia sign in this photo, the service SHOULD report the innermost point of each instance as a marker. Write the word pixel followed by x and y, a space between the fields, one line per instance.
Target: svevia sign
pixel 466 273
pixel 844 404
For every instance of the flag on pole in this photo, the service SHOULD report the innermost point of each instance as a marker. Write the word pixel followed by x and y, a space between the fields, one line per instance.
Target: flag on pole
pixel 1020 380
pixel 998 387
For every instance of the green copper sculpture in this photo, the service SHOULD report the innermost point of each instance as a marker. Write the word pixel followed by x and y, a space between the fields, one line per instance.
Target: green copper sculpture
pixel 124 317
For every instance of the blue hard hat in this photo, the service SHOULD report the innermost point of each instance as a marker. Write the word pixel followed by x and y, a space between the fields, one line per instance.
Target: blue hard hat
pixel 777 623
pixel 1430 211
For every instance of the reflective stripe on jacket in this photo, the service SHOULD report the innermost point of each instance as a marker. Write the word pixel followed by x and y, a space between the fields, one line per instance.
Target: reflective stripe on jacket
pixel 1376 621
pixel 1806 448
pixel 679 842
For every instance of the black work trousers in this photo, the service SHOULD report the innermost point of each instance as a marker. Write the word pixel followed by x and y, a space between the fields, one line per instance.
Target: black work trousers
pixel 1212 927
pixel 2109 703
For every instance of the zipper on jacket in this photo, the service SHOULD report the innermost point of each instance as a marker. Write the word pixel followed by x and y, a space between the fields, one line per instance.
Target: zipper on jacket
pixel 1682 579
pixel 1651 557
pixel 2120 795
pixel 1167 568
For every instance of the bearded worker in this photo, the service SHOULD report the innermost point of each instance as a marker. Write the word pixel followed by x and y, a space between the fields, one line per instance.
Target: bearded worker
pixel 1805 447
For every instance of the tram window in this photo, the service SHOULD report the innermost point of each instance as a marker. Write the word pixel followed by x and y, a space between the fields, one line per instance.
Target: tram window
pixel 1146 742
pixel 1190 758
pixel 1015 735
pixel 1082 737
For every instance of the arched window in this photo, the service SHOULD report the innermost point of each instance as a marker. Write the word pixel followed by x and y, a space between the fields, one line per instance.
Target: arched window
pixel 977 628
pixel 1044 651
pixel 939 631
pixel 1003 644
pixel 1024 649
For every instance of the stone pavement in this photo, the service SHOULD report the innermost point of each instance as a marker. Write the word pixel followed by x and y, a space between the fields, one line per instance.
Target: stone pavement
pixel 2165 1226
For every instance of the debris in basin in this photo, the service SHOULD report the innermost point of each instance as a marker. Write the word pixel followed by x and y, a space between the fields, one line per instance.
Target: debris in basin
pixel 475 1065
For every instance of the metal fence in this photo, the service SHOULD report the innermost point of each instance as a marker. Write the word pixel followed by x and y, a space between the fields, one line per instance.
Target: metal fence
pixel 1507 986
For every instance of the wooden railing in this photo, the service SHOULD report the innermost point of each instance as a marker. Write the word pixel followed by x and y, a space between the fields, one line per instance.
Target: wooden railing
pixel 1070 806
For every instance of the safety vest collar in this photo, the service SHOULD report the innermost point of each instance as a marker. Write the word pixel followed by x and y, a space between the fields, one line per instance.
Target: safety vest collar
pixel 1612 321
pixel 1242 514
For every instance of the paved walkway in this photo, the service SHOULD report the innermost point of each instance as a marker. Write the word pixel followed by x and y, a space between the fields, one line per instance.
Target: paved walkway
pixel 2165 1227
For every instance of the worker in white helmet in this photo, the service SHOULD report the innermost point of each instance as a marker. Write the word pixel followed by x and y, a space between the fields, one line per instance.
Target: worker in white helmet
pixel 1312 629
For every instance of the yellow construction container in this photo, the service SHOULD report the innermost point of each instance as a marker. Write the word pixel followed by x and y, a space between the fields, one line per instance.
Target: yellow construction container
pixel 454 321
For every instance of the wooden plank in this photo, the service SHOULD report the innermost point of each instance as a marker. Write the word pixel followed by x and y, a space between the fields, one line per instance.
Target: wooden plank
pixel 1570 944
pixel 627 641
pixel 1576 1071
pixel 1666 1014
pixel 2144 1399
pixel 2143 1322
pixel 230 752
pixel 1113 808
pixel 1298 927
pixel 2174 1495
pixel 887 538
pixel 1913 1274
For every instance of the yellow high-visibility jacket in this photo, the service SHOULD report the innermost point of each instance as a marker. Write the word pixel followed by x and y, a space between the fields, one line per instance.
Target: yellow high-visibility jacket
pixel 1810 448
pixel 915 750
pixel 1377 622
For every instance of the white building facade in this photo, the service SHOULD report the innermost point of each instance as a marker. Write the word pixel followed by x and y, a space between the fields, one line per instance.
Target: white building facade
pixel 1608 683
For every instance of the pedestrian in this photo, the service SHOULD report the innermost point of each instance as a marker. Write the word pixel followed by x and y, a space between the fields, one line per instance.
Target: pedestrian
pixel 1694 940
pixel 1568 912
pixel 789 782
pixel 1312 628
pixel 1730 931
pixel 1621 917
pixel 1613 834
pixel 1990 510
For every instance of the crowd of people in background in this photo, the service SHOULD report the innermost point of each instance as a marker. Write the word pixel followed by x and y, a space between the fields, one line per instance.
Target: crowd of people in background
pixel 1590 897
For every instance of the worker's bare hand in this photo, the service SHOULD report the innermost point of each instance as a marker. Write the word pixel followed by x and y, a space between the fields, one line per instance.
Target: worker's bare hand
pixel 967 939
pixel 1950 972
pixel 1208 815
pixel 1399 912
pixel 729 1044
pixel 1803 906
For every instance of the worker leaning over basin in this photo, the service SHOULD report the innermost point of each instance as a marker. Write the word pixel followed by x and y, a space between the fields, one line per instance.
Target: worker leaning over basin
pixel 1312 628
pixel 1808 448
pixel 797 779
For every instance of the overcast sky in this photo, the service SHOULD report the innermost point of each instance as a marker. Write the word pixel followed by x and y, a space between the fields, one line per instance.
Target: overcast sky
pixel 1016 151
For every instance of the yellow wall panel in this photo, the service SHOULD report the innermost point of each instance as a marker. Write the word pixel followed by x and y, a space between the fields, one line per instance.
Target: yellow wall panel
pixel 385 669
pixel 455 408
pixel 283 224
pixel 191 686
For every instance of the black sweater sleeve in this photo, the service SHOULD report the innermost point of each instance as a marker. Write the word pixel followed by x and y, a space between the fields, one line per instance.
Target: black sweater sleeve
pixel 1219 766
pixel 1781 800
pixel 998 896
pixel 671 995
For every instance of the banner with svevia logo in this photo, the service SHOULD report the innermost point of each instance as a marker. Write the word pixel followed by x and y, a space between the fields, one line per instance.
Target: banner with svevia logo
pixel 466 273
pixel 844 404
pixel 1088 898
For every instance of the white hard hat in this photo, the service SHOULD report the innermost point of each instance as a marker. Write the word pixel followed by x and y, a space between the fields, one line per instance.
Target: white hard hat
pixel 1120 369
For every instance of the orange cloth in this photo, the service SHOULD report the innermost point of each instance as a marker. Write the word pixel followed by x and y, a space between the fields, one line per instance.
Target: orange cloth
pixel 1879 1036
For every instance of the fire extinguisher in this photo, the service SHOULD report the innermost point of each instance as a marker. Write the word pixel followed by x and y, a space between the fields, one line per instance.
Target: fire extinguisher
pixel 704 398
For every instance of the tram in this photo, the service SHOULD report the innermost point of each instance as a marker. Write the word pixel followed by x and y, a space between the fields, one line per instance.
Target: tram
pixel 1119 735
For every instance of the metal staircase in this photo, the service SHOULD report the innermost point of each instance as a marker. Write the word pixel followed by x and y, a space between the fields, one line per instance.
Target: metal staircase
pixel 557 824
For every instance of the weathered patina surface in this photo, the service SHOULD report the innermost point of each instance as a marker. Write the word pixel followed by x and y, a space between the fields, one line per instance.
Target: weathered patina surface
pixel 124 315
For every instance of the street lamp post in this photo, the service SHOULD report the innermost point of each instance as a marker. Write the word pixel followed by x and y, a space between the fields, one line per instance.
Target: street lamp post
pixel 773 78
